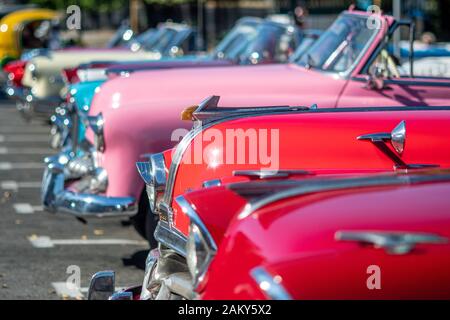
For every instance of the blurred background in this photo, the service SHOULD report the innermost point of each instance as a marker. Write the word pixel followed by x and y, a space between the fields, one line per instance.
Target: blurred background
pixel 212 18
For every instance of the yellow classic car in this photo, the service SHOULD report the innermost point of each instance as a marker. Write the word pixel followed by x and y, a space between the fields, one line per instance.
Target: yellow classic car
pixel 17 32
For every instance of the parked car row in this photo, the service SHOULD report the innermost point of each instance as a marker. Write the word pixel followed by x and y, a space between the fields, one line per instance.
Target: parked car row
pixel 316 164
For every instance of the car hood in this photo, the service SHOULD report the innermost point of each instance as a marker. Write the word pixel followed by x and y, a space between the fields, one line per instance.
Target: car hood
pixel 167 63
pixel 310 222
pixel 52 65
pixel 257 86
pixel 83 93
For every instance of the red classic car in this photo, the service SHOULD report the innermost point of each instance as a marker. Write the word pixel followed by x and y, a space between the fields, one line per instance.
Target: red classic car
pixel 14 71
pixel 382 236
pixel 292 145
pixel 292 141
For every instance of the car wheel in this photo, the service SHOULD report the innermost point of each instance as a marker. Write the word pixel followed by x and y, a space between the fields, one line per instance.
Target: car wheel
pixel 138 220
pixel 145 221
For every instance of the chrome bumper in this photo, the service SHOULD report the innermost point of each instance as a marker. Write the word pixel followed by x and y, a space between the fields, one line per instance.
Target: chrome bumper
pixel 55 198
pixel 31 106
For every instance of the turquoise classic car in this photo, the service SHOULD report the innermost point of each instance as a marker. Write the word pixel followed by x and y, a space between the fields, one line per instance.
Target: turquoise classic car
pixel 80 97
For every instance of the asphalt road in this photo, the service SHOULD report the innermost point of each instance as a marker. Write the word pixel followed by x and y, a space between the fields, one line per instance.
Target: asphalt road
pixel 40 251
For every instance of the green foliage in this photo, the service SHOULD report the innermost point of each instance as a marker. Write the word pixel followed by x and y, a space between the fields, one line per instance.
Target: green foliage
pixel 100 5
pixel 168 2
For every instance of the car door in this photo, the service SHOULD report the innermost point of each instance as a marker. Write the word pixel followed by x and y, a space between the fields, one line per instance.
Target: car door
pixel 386 80
pixel 404 91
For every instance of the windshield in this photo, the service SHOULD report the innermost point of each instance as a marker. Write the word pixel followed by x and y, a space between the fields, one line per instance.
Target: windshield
pixel 340 46
pixel 257 42
pixel 305 44
pixel 235 41
pixel 271 43
pixel 144 40
pixel 166 39
pixel 121 37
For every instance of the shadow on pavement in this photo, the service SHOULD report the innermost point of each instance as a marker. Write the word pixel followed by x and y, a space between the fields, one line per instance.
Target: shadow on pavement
pixel 137 259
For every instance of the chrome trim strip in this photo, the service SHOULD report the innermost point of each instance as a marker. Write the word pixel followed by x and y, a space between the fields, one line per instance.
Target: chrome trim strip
pixel 269 284
pixel 416 81
pixel 153 172
pixel 194 217
pixel 375 136
pixel 171 238
pixel 210 245
pixel 212 183
pixel 176 160
pixel 97 124
pixel 267 174
pixel 323 185
pixel 145 171
pixel 397 243
pixel 158 166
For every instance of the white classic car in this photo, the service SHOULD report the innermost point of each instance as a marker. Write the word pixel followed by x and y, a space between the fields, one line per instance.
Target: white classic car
pixel 43 80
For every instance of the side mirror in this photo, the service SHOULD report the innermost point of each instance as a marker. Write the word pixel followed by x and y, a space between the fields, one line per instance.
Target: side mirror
pixel 376 78
pixel 375 83
pixel 102 285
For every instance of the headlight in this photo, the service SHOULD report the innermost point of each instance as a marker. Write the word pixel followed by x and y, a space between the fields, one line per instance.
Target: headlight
pixel 153 173
pixel 200 246
pixel 197 253
pixel 97 125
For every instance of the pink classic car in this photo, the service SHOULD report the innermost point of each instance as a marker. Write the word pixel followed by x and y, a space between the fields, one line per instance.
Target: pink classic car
pixel 349 65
